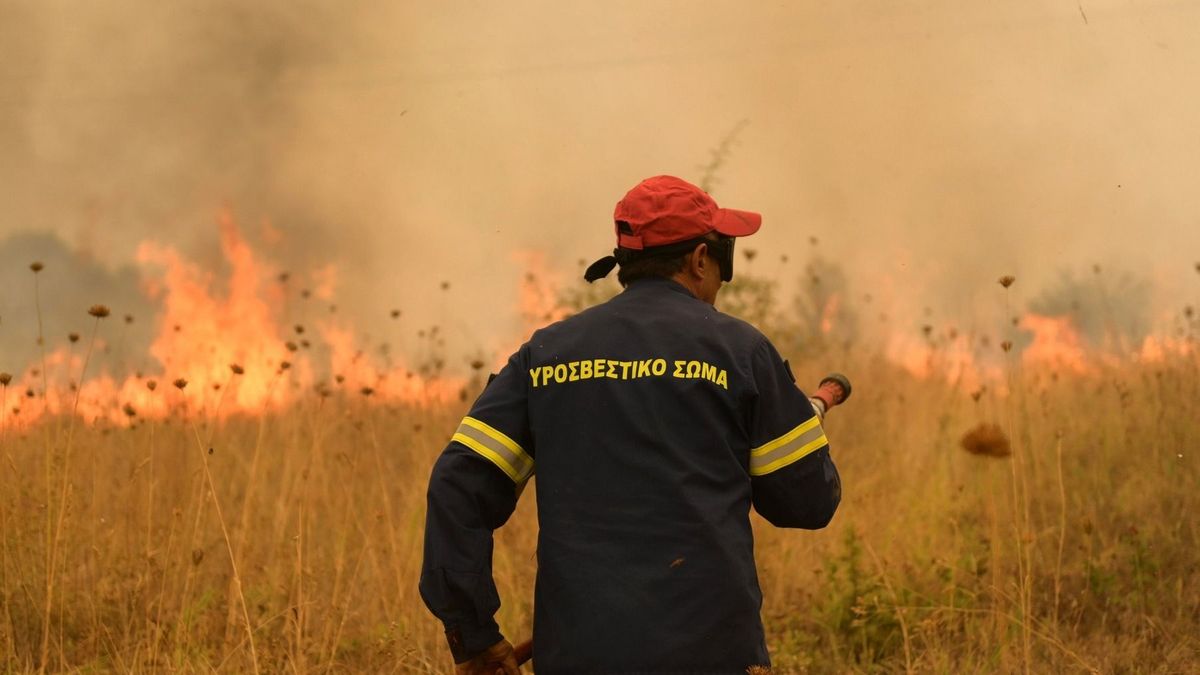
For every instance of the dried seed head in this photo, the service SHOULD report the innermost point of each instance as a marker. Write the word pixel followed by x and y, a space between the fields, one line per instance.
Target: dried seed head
pixel 283 277
pixel 1006 345
pixel 339 378
pixel 5 378
pixel 395 314
pixel 299 329
pixel 128 318
pixel 1189 311
pixel 445 285
pixel 29 392
pixel 366 391
pixel 151 385
pixel 180 383
pixel 1096 268
pixel 476 364
pixel 73 337
pixel 1007 280
pixel 284 365
pixel 237 370
pixel 128 410
pixel 306 294
pixel 98 311
pixel 749 253
pixel 36 266
pixel 305 344
pixel 987 440
pixel 291 346
pixel 812 240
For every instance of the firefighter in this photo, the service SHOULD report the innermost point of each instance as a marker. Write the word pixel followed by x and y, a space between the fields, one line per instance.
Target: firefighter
pixel 654 423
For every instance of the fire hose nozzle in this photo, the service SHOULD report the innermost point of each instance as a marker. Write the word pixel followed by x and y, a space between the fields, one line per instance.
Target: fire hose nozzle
pixel 837 387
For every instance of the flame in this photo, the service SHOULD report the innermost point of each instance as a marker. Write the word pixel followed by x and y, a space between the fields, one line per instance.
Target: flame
pixel 202 334
pixel 538 298
pixel 954 360
pixel 1156 349
pixel 829 312
pixel 1056 344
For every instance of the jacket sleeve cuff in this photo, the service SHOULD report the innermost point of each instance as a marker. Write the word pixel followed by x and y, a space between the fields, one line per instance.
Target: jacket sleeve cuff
pixel 467 642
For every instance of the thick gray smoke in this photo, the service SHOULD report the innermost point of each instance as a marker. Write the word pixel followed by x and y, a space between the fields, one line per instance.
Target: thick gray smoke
pixel 930 148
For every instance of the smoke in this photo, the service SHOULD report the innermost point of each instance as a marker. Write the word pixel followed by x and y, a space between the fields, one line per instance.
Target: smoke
pixel 930 148
pixel 68 284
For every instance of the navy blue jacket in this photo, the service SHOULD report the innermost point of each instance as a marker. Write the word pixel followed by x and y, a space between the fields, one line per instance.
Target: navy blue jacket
pixel 654 422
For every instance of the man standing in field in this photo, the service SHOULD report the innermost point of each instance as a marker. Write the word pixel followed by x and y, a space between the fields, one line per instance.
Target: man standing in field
pixel 654 422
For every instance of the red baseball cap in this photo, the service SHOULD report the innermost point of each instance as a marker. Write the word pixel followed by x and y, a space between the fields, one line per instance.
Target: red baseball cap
pixel 667 210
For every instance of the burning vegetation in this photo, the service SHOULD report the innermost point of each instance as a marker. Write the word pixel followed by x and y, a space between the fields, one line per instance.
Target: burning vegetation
pixel 249 494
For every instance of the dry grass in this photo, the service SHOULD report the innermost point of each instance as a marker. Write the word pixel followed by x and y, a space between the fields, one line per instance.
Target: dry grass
pixel 1045 531
pixel 1083 539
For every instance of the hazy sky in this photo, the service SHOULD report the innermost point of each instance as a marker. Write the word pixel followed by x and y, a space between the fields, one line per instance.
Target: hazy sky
pixel 931 145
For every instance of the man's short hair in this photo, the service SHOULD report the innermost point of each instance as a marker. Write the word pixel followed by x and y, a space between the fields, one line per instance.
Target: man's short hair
pixel 653 266
pixel 665 266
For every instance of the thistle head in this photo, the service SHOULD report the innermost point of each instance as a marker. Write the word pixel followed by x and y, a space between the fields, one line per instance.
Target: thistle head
pixel 987 440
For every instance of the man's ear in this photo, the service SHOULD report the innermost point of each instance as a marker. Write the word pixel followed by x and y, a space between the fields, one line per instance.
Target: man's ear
pixel 697 260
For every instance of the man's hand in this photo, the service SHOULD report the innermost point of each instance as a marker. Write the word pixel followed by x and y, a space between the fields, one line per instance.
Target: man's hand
pixel 495 660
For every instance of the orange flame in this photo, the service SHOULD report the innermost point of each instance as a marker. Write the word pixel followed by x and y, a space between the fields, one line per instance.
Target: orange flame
pixel 1056 344
pixel 829 312
pixel 202 334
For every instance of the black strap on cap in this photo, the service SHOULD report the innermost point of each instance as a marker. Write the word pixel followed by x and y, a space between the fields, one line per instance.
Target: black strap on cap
pixel 600 268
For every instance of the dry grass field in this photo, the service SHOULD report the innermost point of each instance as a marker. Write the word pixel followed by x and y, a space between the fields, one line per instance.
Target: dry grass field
pixel 291 541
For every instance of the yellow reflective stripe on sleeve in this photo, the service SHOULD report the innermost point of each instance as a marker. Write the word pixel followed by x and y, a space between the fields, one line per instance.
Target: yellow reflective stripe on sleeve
pixel 495 446
pixel 788 448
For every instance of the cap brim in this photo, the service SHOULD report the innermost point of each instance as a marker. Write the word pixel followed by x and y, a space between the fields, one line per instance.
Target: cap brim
pixel 734 223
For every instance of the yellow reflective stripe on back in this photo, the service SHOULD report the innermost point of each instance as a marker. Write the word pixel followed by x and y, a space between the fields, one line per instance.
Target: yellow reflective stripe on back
pixel 788 448
pixel 495 446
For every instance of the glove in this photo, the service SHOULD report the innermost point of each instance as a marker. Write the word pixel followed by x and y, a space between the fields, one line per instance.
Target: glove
pixel 495 660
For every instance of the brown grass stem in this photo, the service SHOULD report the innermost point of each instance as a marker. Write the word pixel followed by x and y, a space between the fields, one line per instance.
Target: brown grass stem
pixel 62 502
pixel 237 578
pixel 900 611
pixel 1020 527
pixel 252 480
pixel 1062 527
